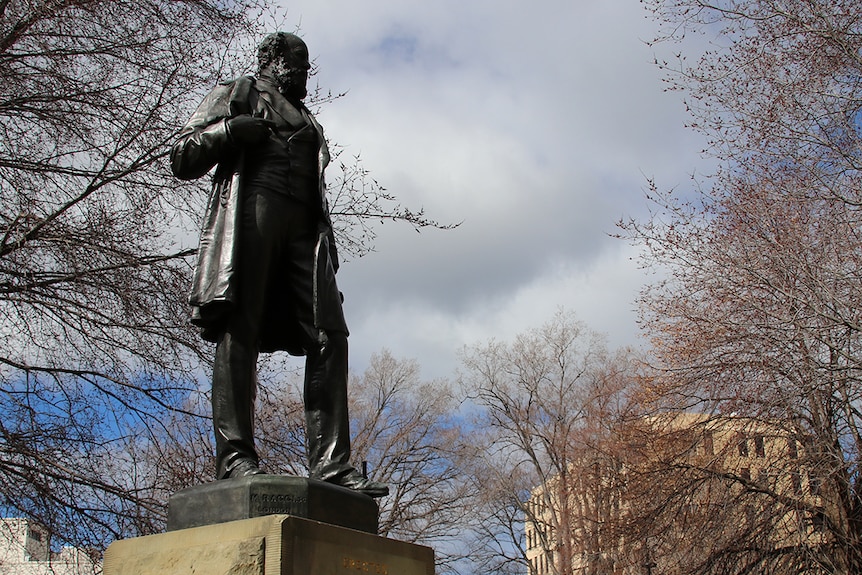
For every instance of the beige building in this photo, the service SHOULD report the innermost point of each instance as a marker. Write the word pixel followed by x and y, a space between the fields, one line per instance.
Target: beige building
pixel 25 549
pixel 751 465
pixel 585 504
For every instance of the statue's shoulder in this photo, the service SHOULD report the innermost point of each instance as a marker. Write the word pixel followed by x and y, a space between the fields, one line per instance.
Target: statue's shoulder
pixel 241 82
pixel 239 93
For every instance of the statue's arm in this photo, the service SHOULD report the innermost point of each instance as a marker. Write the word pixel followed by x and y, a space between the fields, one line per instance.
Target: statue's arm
pixel 333 251
pixel 205 140
pixel 199 148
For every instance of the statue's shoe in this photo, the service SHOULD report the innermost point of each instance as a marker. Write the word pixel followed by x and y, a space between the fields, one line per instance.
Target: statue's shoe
pixel 357 482
pixel 244 468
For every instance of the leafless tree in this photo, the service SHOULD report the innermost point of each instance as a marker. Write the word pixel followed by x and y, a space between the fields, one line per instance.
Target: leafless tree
pixel 359 203
pixel 408 430
pixel 95 245
pixel 549 405
pixel 411 433
pixel 92 271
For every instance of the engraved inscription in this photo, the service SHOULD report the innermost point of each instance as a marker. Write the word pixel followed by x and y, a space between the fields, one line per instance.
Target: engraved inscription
pixel 273 503
pixel 351 564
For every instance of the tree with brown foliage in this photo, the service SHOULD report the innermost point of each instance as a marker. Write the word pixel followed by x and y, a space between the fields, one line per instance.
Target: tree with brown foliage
pixel 711 493
pixel 758 313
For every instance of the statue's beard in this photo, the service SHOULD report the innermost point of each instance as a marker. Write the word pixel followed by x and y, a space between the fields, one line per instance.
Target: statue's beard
pixel 290 81
pixel 293 90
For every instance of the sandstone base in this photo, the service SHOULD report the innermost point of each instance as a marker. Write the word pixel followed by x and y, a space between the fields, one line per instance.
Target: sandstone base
pixel 270 545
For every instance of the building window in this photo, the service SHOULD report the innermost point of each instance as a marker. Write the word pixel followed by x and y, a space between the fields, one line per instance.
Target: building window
pixel 708 448
pixel 743 446
pixel 758 446
pixel 796 482
pixel 792 451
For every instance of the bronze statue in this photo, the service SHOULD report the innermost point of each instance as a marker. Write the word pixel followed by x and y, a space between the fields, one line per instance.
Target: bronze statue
pixel 265 276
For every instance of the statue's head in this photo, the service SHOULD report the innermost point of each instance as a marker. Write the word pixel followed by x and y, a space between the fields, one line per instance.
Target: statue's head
pixel 284 58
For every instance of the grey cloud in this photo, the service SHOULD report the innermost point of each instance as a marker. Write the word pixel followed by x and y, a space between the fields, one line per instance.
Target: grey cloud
pixel 534 123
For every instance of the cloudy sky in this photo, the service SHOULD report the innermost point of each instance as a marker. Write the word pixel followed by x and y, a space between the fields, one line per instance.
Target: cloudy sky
pixel 536 124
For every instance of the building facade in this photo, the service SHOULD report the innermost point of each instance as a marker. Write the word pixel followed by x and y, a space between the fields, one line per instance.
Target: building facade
pixel 680 486
pixel 25 549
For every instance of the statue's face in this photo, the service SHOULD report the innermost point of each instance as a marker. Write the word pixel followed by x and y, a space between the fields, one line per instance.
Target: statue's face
pixel 290 71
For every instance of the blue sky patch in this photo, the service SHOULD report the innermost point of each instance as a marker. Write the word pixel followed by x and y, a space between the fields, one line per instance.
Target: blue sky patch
pixel 400 47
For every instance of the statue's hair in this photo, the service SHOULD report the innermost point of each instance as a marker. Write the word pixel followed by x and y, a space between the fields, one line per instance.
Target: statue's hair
pixel 275 45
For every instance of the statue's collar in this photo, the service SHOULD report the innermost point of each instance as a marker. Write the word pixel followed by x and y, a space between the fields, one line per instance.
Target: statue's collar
pixel 268 84
pixel 291 112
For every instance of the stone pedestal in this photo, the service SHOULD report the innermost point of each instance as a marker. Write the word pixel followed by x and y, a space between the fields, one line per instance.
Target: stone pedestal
pixel 260 495
pixel 270 545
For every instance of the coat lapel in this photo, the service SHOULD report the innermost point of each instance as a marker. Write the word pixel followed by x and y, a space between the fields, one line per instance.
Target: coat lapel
pixel 296 119
pixel 279 106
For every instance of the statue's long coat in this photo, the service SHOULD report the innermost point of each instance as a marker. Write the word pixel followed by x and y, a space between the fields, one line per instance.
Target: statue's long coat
pixel 203 143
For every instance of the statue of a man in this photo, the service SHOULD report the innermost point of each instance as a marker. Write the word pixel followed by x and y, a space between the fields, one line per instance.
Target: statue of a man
pixel 265 277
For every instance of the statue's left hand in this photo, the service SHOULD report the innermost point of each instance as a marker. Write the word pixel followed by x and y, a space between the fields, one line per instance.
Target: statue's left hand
pixel 248 131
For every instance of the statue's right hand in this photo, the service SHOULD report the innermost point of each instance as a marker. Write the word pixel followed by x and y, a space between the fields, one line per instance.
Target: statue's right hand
pixel 248 130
